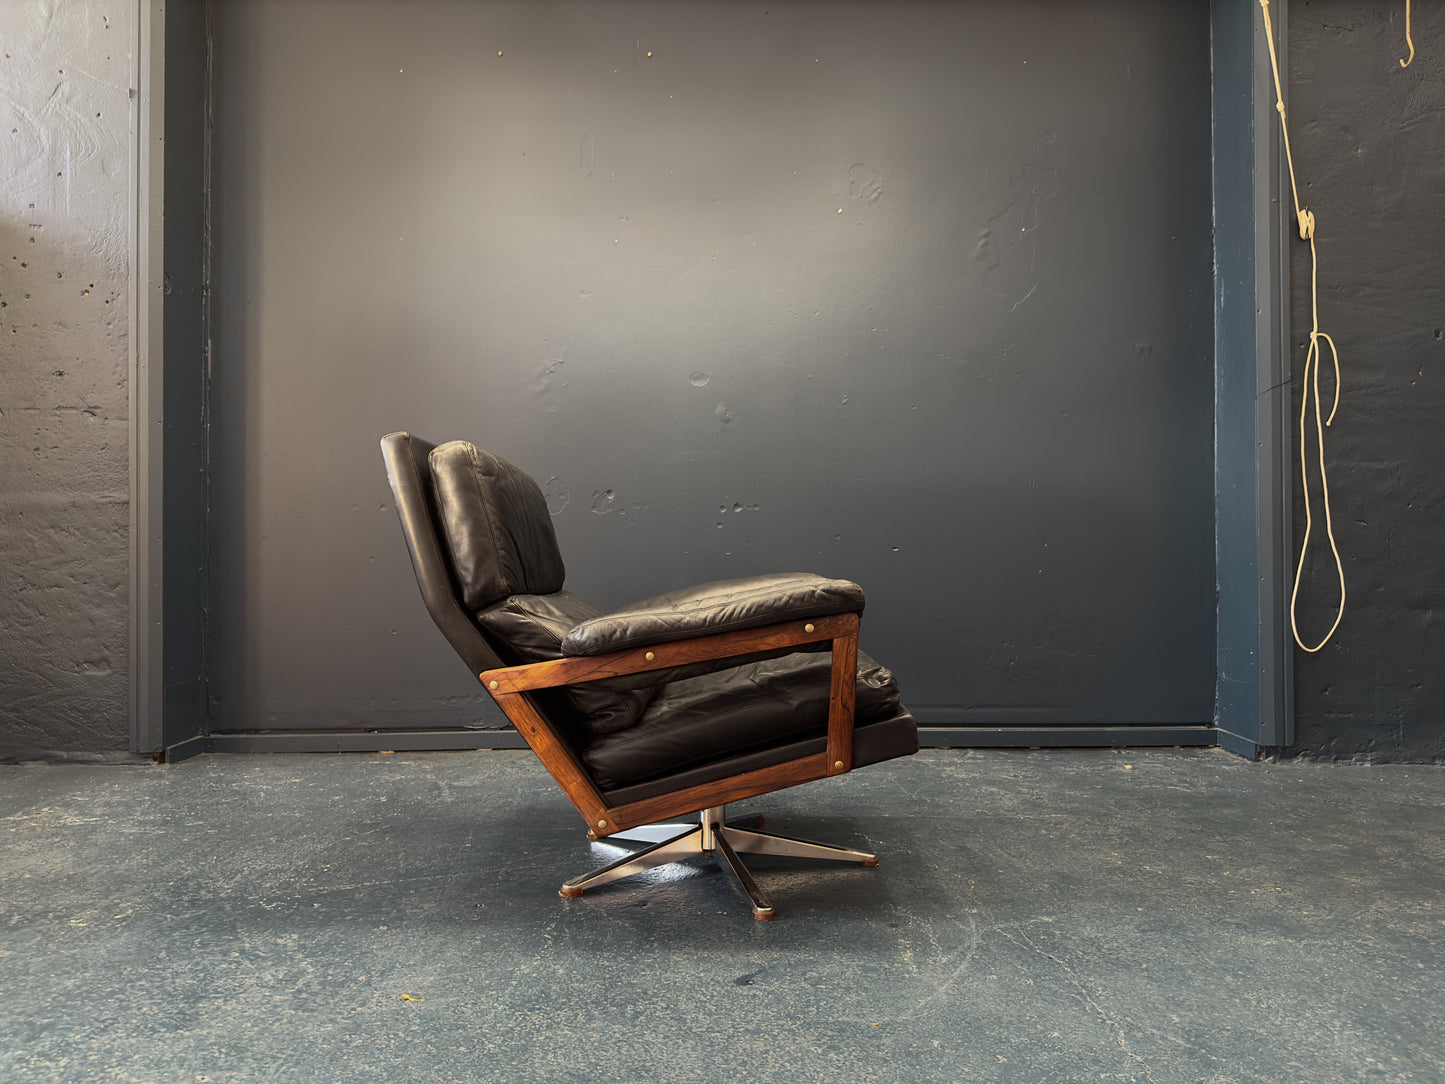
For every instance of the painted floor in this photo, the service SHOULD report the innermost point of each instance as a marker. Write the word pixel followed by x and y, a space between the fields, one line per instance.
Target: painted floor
pixel 1037 916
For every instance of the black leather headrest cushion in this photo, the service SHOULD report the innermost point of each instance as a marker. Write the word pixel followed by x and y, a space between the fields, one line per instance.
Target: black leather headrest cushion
pixel 497 527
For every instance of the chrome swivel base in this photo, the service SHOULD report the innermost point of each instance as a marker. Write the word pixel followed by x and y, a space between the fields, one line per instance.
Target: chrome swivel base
pixel 712 835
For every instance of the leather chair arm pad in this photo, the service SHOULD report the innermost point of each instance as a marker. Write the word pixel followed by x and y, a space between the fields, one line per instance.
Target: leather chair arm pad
pixel 723 606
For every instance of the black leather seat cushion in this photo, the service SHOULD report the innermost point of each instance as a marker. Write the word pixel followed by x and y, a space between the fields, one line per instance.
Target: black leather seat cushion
pixel 873 743
pixel 722 606
pixel 753 706
pixel 497 527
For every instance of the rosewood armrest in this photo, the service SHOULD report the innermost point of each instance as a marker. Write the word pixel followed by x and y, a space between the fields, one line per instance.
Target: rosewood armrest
pixel 508 682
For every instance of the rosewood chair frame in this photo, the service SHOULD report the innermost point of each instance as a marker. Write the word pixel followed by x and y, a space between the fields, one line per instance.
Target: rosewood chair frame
pixel 712 835
pixel 509 686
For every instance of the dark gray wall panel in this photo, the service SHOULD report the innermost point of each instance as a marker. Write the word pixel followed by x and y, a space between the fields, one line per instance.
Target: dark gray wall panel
pixel 1253 705
pixel 186 416
pixel 1369 146
pixel 913 294
pixel 1238 704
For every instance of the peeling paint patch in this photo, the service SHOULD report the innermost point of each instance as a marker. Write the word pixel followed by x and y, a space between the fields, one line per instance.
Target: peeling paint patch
pixel 557 494
pixel 864 183
pixel 1007 247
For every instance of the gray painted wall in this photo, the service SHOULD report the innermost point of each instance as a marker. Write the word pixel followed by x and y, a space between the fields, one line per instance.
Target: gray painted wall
pixel 65 75
pixel 187 372
pixel 1370 152
pixel 910 293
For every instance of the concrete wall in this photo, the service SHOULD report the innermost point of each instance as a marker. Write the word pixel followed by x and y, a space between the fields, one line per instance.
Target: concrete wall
pixel 1369 141
pixel 64 460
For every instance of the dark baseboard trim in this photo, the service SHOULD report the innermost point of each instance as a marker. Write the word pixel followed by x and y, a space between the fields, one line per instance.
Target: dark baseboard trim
pixel 1064 737
pixel 946 737
pixel 27 755
pixel 344 741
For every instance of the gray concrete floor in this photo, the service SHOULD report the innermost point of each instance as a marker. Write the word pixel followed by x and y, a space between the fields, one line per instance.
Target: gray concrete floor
pixel 1159 916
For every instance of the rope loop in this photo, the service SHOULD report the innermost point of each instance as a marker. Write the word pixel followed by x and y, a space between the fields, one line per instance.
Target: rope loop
pixel 1310 393
pixel 1409 40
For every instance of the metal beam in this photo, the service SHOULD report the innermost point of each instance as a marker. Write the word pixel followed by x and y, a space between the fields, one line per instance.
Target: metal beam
pixel 1276 494
pixel 1254 659
pixel 146 287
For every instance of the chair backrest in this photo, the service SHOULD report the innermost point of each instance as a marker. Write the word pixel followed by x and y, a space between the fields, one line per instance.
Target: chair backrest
pixel 496 526
pixel 408 470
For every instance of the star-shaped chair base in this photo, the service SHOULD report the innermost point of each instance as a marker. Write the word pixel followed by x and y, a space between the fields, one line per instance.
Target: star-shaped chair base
pixel 713 835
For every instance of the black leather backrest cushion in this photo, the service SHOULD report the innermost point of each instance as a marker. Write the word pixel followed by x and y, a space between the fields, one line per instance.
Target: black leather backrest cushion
pixel 497 527
pixel 531 627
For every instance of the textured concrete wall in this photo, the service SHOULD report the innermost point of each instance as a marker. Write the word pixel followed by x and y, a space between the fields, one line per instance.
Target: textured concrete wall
pixel 1369 141
pixel 64 184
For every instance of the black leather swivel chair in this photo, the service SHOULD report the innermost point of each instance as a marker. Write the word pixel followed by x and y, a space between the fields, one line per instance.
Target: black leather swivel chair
pixel 672 706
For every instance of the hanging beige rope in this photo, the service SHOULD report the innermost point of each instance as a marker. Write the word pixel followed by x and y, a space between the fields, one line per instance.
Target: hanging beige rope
pixel 1408 39
pixel 1311 374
